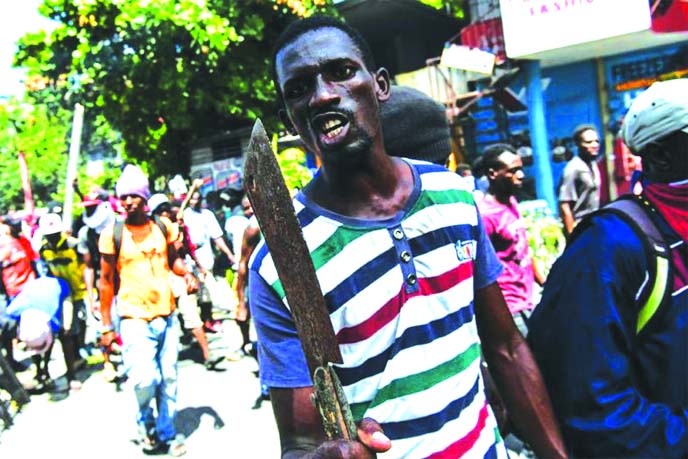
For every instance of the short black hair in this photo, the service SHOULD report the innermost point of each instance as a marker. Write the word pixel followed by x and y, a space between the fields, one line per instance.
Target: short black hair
pixel 301 26
pixel 490 158
pixel 163 207
pixel 463 167
pixel 580 129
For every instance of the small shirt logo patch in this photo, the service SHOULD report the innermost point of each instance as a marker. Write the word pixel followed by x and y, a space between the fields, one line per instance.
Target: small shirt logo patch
pixel 465 250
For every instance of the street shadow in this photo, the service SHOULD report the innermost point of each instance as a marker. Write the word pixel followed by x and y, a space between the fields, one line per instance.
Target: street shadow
pixel 188 419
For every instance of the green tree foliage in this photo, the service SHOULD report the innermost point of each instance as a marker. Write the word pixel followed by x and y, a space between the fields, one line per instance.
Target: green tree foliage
pixel 292 162
pixel 40 133
pixel 456 8
pixel 163 73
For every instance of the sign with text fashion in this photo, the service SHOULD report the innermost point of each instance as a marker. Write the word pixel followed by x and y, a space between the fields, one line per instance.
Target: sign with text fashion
pixel 533 26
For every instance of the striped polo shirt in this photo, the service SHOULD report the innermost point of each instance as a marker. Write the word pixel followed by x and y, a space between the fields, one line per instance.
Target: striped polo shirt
pixel 400 296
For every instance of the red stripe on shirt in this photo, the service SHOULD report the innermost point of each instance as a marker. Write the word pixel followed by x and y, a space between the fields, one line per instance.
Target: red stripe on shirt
pixel 390 310
pixel 462 446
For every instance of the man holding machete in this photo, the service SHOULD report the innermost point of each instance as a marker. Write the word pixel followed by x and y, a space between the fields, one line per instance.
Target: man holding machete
pixel 408 276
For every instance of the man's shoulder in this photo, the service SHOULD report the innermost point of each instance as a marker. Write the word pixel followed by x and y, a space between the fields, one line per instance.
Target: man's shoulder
pixel 609 231
pixel 576 164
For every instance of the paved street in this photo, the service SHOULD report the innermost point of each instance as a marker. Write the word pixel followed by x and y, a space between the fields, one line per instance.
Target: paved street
pixel 215 413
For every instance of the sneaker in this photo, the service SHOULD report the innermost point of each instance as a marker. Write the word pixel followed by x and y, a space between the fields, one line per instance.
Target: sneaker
pixel 212 326
pixel 148 440
pixel 109 372
pixel 177 447
pixel 75 385
pixel 212 362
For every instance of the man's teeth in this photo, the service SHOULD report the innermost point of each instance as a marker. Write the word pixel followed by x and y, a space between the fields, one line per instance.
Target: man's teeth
pixel 334 133
pixel 332 128
pixel 331 124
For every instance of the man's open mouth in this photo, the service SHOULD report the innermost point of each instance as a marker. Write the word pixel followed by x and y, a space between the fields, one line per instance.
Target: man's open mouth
pixel 331 126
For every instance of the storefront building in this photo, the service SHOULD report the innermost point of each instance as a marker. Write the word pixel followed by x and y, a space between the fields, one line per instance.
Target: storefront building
pixel 582 62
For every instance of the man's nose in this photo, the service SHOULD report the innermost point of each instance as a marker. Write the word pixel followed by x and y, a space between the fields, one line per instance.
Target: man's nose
pixel 324 92
pixel 520 175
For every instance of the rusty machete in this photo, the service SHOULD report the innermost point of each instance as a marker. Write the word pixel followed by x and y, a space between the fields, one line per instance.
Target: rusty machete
pixel 283 235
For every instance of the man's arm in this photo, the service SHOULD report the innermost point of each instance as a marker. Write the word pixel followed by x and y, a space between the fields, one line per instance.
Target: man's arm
pixel 566 213
pixel 516 374
pixel 249 242
pixel 177 264
pixel 108 268
pixel 89 280
pixel 539 277
pixel 222 245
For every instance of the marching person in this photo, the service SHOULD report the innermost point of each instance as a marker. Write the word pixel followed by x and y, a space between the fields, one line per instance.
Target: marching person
pixel 506 228
pixel 138 273
pixel 407 272
pixel 579 187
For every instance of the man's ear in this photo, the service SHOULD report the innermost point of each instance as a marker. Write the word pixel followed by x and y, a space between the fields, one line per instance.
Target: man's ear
pixel 491 174
pixel 282 113
pixel 383 84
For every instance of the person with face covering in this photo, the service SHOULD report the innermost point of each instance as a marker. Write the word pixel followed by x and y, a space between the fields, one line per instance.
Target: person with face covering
pixel 616 367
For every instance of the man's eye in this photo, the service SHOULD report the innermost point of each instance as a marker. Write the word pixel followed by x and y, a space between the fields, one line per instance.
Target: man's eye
pixel 343 72
pixel 295 90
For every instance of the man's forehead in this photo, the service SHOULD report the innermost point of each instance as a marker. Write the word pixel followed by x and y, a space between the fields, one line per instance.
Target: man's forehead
pixel 507 157
pixel 314 46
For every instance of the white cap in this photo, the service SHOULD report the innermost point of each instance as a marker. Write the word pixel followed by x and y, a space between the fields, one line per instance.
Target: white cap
pixel 34 330
pixel 659 111
pixel 156 200
pixel 50 224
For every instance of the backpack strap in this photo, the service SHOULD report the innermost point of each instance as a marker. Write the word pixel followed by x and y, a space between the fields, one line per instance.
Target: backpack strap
pixel 117 240
pixel 637 213
pixel 163 228
pixel 161 225
pixel 117 236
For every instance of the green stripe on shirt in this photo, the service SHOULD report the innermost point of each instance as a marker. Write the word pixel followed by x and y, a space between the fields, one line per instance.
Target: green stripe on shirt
pixel 420 381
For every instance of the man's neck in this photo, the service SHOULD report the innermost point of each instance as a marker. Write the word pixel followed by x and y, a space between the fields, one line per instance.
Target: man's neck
pixel 136 219
pixel 502 197
pixel 376 190
pixel 587 159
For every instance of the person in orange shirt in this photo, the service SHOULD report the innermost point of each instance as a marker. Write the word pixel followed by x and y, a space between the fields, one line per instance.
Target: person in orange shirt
pixel 149 326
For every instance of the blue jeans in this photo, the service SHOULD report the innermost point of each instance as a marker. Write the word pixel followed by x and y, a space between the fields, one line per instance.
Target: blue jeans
pixel 149 353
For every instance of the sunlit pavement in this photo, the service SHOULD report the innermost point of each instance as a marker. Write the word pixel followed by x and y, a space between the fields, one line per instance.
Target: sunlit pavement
pixel 215 412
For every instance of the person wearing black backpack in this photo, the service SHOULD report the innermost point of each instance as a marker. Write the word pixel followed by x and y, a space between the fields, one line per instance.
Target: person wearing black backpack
pixel 611 333
pixel 137 256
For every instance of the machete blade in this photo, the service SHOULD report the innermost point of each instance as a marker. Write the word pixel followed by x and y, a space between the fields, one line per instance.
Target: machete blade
pixel 274 210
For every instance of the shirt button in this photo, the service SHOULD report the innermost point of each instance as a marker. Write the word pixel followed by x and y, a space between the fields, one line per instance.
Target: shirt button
pixel 411 279
pixel 398 234
pixel 405 256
